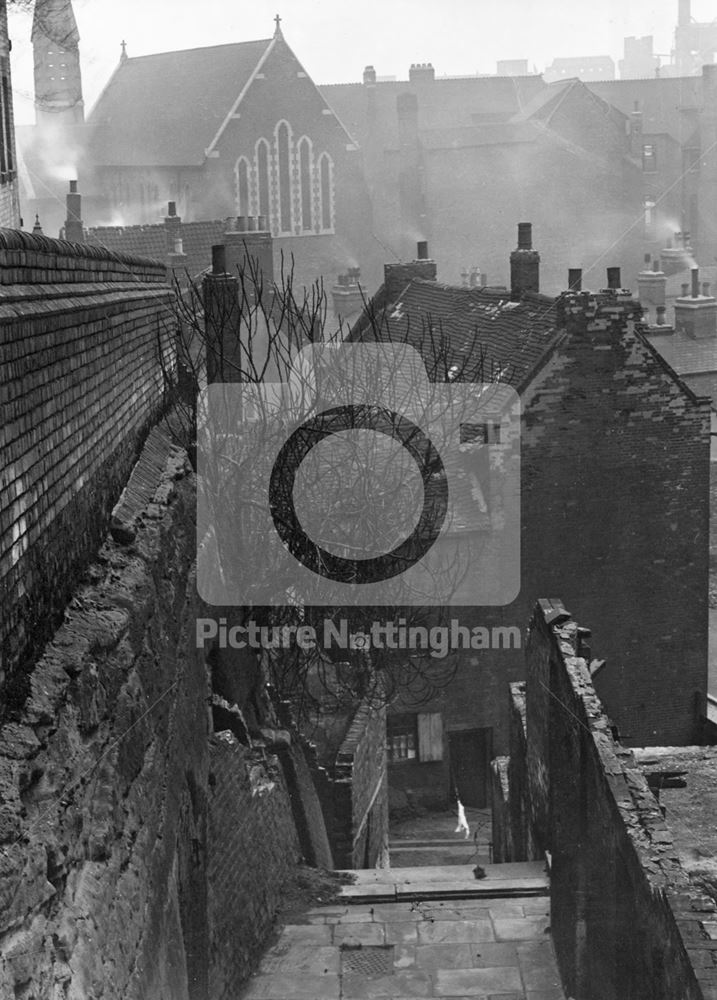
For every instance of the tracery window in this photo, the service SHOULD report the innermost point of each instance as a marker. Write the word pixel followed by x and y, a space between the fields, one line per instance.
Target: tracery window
pixel 289 182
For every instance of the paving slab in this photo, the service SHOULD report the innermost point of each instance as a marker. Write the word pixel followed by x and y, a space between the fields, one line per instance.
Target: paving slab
pixel 493 949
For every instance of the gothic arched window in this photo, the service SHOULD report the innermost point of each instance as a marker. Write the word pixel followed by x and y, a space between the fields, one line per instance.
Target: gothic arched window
pixel 262 166
pixel 283 147
pixel 326 183
pixel 242 186
pixel 307 223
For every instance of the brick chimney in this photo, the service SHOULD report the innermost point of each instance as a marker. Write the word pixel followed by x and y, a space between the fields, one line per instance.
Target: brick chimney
pixel 397 276
pixel 177 258
pixel 524 264
pixel 250 246
pixel 674 259
pixel 421 73
pixel 74 229
pixel 220 293
pixel 695 311
pixel 348 295
pixel 172 225
pixel 597 317
pixel 369 76
pixel 652 287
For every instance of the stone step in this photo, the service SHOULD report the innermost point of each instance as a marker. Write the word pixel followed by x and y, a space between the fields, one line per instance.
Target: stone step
pixel 528 878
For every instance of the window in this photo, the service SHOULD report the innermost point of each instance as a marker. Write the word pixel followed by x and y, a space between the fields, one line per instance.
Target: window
pixel 286 182
pixel 415 737
pixel 242 183
pixel 284 156
pixel 262 156
pixel 305 181
pixel 325 167
pixel 402 739
pixel 480 433
pixel 649 158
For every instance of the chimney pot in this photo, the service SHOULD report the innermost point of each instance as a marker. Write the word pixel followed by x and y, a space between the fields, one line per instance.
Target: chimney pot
pixel 655 264
pixel 73 187
pixel 661 310
pixel 685 288
pixel 369 75
pixel 647 259
pixel 241 224
pixel 525 236
pixel 219 259
pixel 706 288
pixel 483 280
pixel 251 224
pixel 422 250
pixel 575 279
pixel 172 208
pixel 261 224
pixel 613 277
pixel 695 272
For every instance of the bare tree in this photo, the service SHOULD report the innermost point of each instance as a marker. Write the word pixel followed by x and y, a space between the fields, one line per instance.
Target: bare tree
pixel 241 331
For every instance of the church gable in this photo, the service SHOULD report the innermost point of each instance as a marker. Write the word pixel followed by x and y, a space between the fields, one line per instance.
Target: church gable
pixel 285 147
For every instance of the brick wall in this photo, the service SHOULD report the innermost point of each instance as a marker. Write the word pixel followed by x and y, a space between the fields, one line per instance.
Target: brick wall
pixel 615 478
pixel 357 797
pixel 624 912
pixel 103 781
pixel 81 383
pixel 252 848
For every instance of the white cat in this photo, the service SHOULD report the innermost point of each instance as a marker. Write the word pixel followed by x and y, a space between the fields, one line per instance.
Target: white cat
pixel 462 821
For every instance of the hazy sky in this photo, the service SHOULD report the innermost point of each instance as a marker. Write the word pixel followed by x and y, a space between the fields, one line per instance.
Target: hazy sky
pixel 335 39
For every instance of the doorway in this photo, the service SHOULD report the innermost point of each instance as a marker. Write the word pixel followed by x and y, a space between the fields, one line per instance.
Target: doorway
pixel 470 754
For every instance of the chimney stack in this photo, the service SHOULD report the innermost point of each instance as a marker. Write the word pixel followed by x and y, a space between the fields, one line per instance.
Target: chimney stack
pixel 695 274
pixel 348 295
pixel 524 264
pixel 652 286
pixel 369 76
pixel 74 229
pixel 397 276
pixel 220 294
pixel 695 314
pixel 251 242
pixel 421 73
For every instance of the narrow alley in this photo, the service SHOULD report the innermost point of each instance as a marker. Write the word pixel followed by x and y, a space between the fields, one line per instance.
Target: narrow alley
pixel 425 927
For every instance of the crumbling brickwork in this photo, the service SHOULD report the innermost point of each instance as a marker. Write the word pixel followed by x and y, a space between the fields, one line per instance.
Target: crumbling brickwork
pixel 103 781
pixel 357 796
pixel 252 848
pixel 81 330
pixel 627 920
pixel 615 479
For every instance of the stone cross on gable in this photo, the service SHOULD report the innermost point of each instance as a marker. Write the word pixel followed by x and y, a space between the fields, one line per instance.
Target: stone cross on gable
pixel 277 22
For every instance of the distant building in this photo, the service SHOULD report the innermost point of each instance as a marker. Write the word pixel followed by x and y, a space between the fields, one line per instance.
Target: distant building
pixel 511 67
pixel 585 68
pixel 639 60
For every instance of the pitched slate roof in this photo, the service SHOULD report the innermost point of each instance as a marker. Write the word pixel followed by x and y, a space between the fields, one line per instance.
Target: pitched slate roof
pixel 662 102
pixel 165 109
pixel 477 330
pixel 369 113
pixel 198 238
pixel 687 355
